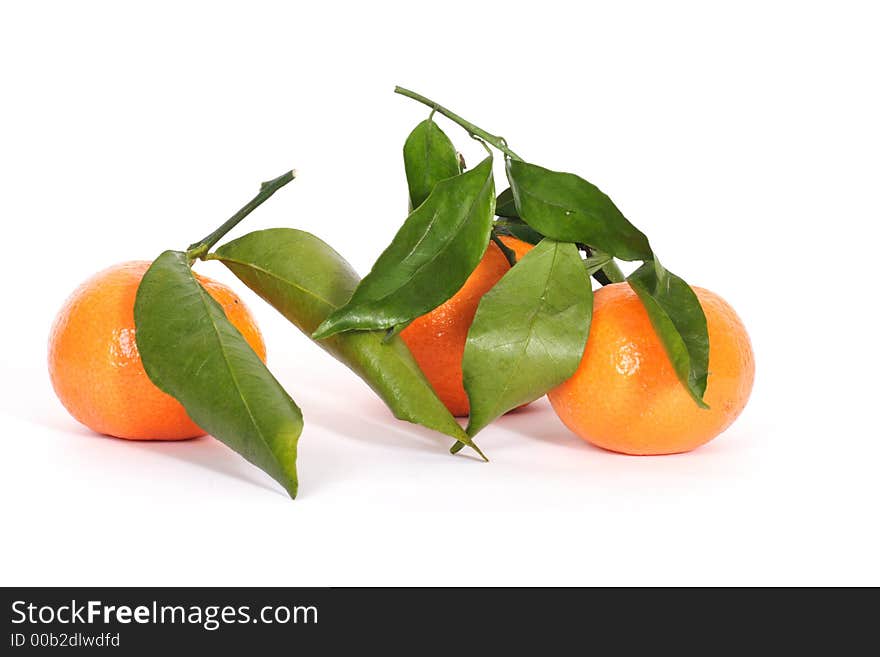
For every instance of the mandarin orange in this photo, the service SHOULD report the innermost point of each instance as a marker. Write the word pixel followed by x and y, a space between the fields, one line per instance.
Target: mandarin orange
pixel 437 339
pixel 94 363
pixel 625 395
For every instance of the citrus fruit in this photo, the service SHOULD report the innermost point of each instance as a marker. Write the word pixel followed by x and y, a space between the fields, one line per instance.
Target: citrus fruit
pixel 516 245
pixel 625 395
pixel 94 363
pixel 437 339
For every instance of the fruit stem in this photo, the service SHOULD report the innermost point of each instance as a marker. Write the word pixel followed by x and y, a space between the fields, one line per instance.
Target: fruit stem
pixel 200 249
pixel 473 130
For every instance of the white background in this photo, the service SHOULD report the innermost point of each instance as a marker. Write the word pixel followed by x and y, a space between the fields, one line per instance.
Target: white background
pixel 742 137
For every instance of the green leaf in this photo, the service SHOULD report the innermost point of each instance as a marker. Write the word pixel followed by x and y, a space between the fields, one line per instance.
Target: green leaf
pixel 430 258
pixel 529 332
pixel 505 205
pixel 517 228
pixel 428 157
pixel 567 208
pixel 193 353
pixel 305 280
pixel 679 321
pixel 595 263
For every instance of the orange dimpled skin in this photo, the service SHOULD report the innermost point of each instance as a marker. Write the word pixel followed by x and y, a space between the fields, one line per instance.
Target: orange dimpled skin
pixel 437 339
pixel 625 395
pixel 94 363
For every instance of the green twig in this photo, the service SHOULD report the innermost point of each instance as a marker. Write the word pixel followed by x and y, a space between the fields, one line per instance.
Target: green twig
pixel 200 249
pixel 473 130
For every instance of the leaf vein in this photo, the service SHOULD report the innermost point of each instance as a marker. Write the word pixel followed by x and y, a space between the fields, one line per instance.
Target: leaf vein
pixel 203 297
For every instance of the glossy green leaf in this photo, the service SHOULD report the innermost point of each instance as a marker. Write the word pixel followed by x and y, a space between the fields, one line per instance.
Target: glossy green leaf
pixel 305 280
pixel 567 208
pixel 429 259
pixel 529 332
pixel 679 321
pixel 428 157
pixel 517 228
pixel 595 263
pixel 505 205
pixel 193 353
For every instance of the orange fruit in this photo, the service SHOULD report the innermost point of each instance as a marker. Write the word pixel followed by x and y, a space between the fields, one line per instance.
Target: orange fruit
pixel 625 395
pixel 519 247
pixel 437 338
pixel 95 366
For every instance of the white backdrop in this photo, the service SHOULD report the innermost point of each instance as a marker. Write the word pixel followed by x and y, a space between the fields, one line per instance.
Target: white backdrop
pixel 742 138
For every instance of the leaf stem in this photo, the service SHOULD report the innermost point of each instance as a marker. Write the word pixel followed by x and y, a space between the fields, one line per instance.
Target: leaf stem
pixel 200 249
pixel 472 130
